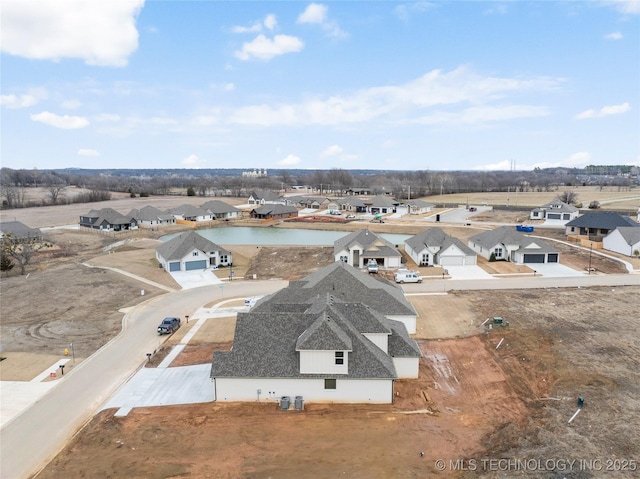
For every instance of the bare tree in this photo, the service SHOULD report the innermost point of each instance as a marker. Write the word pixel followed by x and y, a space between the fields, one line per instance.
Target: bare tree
pixel 14 196
pixel 569 197
pixel 22 249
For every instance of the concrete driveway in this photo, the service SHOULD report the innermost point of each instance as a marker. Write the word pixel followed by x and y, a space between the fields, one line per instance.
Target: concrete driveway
pixel 468 272
pixel 554 270
pixel 195 279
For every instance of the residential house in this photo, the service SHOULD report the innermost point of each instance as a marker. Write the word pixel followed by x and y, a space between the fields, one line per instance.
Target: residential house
pixel 334 336
pixel 357 191
pixel 191 251
pixel 18 231
pixel 555 212
pixel 381 205
pixel 274 211
pixel 108 219
pixel 358 248
pixel 595 225
pixel 191 213
pixel 220 210
pixel 624 240
pixel 433 247
pixel 353 205
pixel 264 197
pixel 150 216
pixel 419 207
pixel 505 243
pixel 308 202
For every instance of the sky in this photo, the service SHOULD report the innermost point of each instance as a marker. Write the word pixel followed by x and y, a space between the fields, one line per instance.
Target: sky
pixel 423 85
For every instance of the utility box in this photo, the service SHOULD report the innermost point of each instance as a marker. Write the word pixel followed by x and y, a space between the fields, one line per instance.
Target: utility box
pixel 497 320
pixel 299 403
pixel 285 402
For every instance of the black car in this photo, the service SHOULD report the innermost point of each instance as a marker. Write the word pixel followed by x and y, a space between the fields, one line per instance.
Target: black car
pixel 168 325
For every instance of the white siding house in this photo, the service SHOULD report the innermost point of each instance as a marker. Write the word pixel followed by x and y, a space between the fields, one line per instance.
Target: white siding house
pixel 624 240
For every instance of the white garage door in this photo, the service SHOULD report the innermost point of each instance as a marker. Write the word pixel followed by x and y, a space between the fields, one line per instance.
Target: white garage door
pixel 452 261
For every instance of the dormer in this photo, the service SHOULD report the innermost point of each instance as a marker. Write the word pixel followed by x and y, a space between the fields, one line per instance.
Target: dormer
pixel 324 348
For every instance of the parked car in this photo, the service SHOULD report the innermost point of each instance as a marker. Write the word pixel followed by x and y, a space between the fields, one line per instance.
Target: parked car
pixel 406 276
pixel 372 266
pixel 473 208
pixel 251 302
pixel 350 217
pixel 169 325
pixel 335 212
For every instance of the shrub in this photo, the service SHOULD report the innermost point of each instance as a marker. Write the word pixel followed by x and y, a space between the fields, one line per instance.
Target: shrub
pixel 492 258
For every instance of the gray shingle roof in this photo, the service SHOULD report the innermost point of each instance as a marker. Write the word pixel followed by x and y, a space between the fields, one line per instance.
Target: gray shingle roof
pixel 108 215
pixel 150 213
pixel 19 230
pixel 604 220
pixel 435 237
pixel 557 206
pixel 324 334
pixel 189 211
pixel 420 203
pixel 275 209
pixel 507 235
pixel 631 234
pixel 266 195
pixel 220 207
pixel 381 201
pixel 373 245
pixel 176 248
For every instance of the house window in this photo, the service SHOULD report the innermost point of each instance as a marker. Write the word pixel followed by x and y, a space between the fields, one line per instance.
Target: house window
pixel 498 252
pixel 344 259
pixel 339 357
pixel 195 253
pixel 329 383
pixel 223 258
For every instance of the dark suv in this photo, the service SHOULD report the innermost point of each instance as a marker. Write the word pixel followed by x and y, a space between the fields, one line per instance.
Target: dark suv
pixel 168 325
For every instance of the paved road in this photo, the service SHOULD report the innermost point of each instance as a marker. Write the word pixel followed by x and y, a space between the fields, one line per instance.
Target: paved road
pixel 33 438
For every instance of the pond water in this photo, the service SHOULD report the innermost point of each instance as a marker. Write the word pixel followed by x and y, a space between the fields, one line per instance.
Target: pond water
pixel 249 235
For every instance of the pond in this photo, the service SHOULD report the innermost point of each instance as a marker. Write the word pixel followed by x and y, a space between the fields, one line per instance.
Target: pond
pixel 249 235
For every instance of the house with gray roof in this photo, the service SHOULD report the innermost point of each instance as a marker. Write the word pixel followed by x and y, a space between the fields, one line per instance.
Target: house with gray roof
pixel 594 225
pixel 381 204
pixel 433 247
pixel 507 244
pixel 419 207
pixel 191 213
pixel 357 248
pixel 555 211
pixel 107 219
pixel 624 240
pixel 150 216
pixel 264 197
pixel 191 251
pixel 220 210
pixel 274 211
pixel 307 341
pixel 18 231
pixel 354 205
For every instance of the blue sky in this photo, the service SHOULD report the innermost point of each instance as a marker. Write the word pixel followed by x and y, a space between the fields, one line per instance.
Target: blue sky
pixel 377 85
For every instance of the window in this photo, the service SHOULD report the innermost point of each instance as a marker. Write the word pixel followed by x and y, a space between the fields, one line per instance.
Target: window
pixel 329 383
pixel 339 357
pixel 195 253
pixel 344 259
pixel 498 252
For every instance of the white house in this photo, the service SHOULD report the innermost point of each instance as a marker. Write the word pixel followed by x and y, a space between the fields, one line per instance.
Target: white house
pixel 150 216
pixel 555 212
pixel 190 251
pixel 191 213
pixel 321 343
pixel 220 210
pixel 624 240
pixel 507 244
pixel 434 247
pixel 357 248
pixel 419 207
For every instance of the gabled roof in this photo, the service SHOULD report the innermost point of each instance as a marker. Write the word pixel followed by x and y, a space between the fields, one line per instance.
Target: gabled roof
pixel 630 234
pixel 381 201
pixel 108 215
pixel 420 204
pixel 189 211
pixel 557 205
pixel 435 237
pixel 324 334
pixel 266 195
pixel 18 230
pixel 353 201
pixel 604 220
pixel 176 248
pixel 275 209
pixel 150 213
pixel 508 236
pixel 373 245
pixel 219 207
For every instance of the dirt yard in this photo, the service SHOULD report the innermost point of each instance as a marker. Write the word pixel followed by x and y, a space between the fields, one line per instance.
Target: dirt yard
pixel 472 402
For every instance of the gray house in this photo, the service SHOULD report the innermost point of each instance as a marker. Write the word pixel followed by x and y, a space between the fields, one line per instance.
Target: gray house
pixel 221 210
pixel 191 251
pixel 555 211
pixel 150 216
pixel 507 244
pixel 264 197
pixel 597 224
pixel 191 213
pixel 107 219
pixel 18 231
pixel 434 247
pixel 336 335
pixel 357 248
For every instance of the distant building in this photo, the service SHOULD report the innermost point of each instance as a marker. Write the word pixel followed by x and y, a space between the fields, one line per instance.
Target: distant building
pixel 255 173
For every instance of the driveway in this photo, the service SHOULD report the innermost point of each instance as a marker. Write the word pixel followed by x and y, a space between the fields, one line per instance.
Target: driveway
pixel 195 279
pixel 554 270
pixel 468 272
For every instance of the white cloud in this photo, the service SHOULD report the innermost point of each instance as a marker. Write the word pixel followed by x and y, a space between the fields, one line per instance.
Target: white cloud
pixel 411 102
pixel 270 21
pixel 314 13
pixel 106 117
pixel 88 152
pixel 192 161
pixel 32 97
pixel 613 36
pixel 65 122
pixel 100 33
pixel 71 104
pixel 406 10
pixel 604 111
pixel 333 150
pixel 264 48
pixel 290 160
pixel 627 7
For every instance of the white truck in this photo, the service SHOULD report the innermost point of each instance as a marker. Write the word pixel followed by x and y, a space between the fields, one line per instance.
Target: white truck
pixel 407 276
